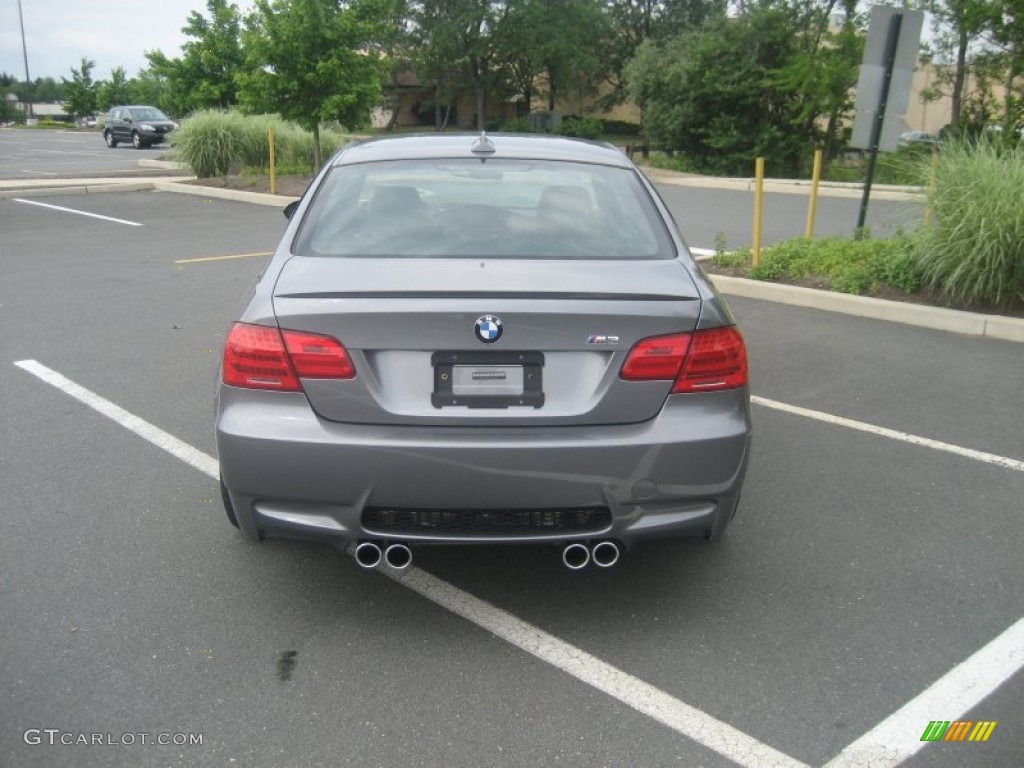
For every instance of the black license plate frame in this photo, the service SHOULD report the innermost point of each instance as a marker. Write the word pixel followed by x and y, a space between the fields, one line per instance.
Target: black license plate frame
pixel 533 379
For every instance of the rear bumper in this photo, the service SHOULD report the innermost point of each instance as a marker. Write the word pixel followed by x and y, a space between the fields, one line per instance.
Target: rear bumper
pixel 292 474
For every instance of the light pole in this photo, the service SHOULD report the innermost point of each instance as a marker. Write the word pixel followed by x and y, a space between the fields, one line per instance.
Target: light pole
pixel 24 50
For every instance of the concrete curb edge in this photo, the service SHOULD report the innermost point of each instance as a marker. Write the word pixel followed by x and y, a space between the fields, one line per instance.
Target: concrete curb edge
pixel 937 318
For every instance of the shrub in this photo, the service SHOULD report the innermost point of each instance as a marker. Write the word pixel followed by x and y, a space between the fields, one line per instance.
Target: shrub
pixel 215 143
pixel 519 125
pixel 581 127
pixel 848 266
pixel 620 127
pixel 974 252
pixel 212 142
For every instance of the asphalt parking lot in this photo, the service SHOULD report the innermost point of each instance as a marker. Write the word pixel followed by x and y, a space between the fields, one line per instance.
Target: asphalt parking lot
pixel 862 569
pixel 27 154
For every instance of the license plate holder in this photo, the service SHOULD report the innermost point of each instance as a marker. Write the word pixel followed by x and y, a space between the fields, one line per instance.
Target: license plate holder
pixel 488 379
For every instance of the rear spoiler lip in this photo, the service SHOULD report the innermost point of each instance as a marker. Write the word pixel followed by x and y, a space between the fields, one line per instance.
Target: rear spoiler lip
pixel 496 295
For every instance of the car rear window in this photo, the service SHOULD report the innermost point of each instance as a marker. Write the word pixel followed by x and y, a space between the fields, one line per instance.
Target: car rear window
pixel 516 209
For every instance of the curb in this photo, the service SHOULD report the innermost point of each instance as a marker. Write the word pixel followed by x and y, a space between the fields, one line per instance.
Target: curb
pixel 936 318
pixel 852 190
pixel 256 198
pixel 78 189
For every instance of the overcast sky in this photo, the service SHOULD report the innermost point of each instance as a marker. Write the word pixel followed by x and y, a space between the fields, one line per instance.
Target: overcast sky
pixel 59 33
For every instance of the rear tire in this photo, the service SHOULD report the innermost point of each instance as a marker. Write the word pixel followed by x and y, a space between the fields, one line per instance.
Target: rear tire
pixel 137 141
pixel 228 508
pixel 109 138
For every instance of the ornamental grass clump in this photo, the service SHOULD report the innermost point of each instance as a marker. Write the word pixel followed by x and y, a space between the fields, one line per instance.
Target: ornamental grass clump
pixel 212 142
pixel 974 250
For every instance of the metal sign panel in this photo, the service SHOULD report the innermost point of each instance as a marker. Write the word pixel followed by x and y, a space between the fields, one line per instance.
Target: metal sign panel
pixel 910 37
pixel 872 77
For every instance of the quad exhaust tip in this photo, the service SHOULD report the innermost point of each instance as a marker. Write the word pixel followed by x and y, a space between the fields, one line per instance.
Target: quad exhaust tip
pixel 575 556
pixel 368 554
pixel 605 554
pixel 398 556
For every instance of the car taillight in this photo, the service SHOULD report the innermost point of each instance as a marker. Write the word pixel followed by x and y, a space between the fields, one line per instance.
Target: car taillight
pixel 717 360
pixel 656 358
pixel 704 361
pixel 262 357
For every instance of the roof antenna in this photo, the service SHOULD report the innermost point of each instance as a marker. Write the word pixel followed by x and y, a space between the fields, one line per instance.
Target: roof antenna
pixel 483 145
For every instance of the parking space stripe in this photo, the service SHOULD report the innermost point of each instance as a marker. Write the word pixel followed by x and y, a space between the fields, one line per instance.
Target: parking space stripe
pixel 80 213
pixel 164 440
pixel 898 737
pixel 686 720
pixel 892 434
pixel 223 258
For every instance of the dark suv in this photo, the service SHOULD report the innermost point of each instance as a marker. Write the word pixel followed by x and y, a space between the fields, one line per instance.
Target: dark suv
pixel 142 126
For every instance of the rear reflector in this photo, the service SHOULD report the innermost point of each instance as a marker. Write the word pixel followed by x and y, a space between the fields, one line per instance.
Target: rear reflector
pixel 261 357
pixel 703 361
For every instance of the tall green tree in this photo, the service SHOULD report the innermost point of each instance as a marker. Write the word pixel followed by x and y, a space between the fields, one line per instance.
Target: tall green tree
pixel 205 75
pixel 636 21
pixel 314 61
pixel 955 43
pixel 557 41
pixel 80 91
pixel 743 87
pixel 114 91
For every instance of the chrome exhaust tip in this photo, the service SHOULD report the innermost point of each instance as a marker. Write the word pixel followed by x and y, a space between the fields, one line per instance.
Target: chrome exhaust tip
pixel 575 556
pixel 605 554
pixel 368 554
pixel 398 556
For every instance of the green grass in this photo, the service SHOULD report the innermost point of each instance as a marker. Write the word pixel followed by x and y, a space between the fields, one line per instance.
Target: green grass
pixel 906 166
pixel 841 264
pixel 974 251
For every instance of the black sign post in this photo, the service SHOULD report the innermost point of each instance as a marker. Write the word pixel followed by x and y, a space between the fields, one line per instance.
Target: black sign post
pixel 891 42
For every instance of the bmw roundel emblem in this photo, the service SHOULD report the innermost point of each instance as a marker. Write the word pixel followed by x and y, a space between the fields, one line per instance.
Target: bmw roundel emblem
pixel 488 329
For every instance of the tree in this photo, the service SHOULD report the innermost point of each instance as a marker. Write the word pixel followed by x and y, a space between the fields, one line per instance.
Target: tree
pixel 213 56
pixel 80 91
pixel 743 87
pixel 205 75
pixel 313 61
pixel 560 40
pixel 635 21
pixel 957 27
pixel 114 91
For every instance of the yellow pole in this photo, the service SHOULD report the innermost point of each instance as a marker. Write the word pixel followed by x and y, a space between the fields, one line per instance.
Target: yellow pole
pixel 812 205
pixel 273 164
pixel 758 207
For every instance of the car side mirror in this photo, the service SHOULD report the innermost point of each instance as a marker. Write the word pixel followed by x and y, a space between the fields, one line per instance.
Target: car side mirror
pixel 289 210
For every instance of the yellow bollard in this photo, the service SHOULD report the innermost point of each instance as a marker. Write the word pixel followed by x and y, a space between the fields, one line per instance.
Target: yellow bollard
pixel 812 205
pixel 758 208
pixel 273 164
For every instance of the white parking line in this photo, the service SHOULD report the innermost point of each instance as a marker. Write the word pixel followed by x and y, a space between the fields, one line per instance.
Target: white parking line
pixel 631 691
pixel 80 213
pixel 164 440
pixel 892 434
pixel 887 745
pixel 898 737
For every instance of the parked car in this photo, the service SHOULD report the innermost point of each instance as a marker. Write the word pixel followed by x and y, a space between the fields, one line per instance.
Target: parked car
pixel 917 138
pixel 141 126
pixel 467 339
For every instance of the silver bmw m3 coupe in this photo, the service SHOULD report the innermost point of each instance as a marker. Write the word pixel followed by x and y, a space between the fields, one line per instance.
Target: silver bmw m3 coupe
pixel 482 339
